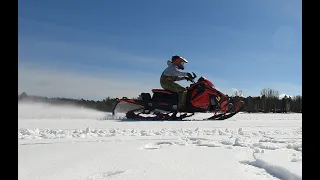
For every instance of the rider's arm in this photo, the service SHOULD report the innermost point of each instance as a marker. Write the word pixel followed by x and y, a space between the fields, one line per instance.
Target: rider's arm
pixel 180 78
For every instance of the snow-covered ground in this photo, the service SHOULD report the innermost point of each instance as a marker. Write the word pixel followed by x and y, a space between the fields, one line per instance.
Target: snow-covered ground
pixel 70 143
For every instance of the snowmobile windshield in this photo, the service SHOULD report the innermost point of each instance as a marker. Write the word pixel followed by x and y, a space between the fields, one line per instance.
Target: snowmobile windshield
pixel 208 82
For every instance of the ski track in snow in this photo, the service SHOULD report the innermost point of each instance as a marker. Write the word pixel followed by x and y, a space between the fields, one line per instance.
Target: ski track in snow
pixel 258 140
pixel 105 175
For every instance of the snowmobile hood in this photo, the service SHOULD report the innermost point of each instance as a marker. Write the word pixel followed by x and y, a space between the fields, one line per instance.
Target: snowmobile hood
pixel 208 82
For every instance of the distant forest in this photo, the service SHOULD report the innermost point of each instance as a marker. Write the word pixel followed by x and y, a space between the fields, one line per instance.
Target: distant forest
pixel 267 102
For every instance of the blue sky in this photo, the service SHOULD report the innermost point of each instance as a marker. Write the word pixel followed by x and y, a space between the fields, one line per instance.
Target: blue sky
pixel 94 49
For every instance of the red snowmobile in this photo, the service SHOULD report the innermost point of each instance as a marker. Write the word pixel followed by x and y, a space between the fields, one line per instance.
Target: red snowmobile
pixel 202 97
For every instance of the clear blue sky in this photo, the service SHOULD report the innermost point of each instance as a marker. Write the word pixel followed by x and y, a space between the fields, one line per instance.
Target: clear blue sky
pixel 247 45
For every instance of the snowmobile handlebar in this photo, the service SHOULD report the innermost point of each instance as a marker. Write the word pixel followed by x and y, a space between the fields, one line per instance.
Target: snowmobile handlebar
pixel 191 78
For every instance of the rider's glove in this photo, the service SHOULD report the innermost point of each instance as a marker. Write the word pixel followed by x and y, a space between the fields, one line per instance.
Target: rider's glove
pixel 189 75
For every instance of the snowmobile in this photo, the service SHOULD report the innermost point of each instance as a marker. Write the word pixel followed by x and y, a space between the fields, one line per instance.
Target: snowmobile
pixel 202 97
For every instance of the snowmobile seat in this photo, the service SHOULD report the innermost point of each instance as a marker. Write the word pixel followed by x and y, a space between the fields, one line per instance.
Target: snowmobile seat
pixel 161 95
pixel 163 91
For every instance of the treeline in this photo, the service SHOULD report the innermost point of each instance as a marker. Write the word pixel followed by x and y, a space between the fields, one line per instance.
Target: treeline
pixel 269 101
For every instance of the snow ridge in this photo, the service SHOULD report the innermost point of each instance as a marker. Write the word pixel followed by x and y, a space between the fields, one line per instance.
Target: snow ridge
pixel 228 137
pixel 275 170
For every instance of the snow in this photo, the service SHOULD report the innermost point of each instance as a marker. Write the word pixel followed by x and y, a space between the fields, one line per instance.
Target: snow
pixel 67 142
pixel 283 95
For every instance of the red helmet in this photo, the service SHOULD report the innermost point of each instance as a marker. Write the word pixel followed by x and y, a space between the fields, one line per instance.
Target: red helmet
pixel 179 61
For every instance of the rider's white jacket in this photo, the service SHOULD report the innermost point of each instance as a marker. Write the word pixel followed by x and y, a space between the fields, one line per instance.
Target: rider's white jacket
pixel 172 70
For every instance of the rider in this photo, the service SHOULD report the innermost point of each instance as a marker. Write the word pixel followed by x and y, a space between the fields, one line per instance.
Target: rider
pixel 172 74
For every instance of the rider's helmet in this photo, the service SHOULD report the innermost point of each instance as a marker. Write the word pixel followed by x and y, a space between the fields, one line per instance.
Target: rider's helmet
pixel 179 61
